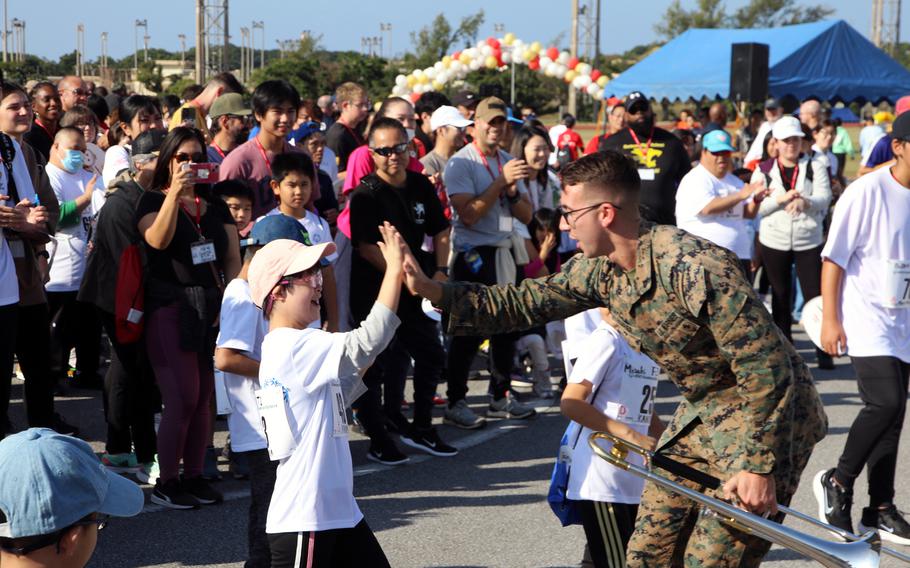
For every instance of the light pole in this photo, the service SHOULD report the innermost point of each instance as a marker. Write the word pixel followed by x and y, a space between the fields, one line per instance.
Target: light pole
pixel 499 28
pixel 182 38
pixel 18 40
pixel 261 26
pixel 80 47
pixel 138 24
pixel 5 34
pixel 387 27
pixel 244 53
pixel 103 55
pixel 145 43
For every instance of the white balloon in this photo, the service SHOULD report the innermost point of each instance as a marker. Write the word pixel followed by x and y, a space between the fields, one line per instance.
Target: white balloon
pixel 455 67
pixel 561 71
pixel 563 57
pixel 576 82
pixel 443 77
pixel 430 72
pixel 418 74
pixel 552 69
pixel 506 57
pixel 475 64
pixel 592 89
pixel 486 50
pixel 583 81
pixel 545 61
pixel 399 90
pixel 401 80
pixel 439 66
pixel 583 69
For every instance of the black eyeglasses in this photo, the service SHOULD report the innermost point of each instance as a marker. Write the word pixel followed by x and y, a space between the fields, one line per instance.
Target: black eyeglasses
pixel 54 538
pixel 182 157
pixel 566 214
pixel 389 150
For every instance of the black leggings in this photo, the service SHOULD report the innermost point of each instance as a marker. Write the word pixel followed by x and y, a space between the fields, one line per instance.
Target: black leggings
pixel 876 431
pixel 338 548
pixel 608 527
pixel 778 265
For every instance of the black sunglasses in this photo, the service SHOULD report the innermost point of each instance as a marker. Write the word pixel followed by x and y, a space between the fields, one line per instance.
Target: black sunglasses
pixel 182 157
pixel 566 214
pixel 389 150
pixel 53 538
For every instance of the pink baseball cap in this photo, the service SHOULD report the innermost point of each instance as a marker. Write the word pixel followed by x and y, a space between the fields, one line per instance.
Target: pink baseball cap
pixel 903 104
pixel 279 258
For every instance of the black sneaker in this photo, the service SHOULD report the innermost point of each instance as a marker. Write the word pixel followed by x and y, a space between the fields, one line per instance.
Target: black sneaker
pixel 397 423
pixel 427 440
pixel 388 454
pixel 201 490
pixel 825 361
pixel 834 502
pixel 61 426
pixel 889 523
pixel 172 495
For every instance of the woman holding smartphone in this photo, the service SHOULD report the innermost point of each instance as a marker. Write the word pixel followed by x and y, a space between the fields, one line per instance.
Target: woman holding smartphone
pixel 192 248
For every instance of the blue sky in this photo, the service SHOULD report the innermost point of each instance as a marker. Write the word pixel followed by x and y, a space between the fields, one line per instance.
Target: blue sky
pixel 343 23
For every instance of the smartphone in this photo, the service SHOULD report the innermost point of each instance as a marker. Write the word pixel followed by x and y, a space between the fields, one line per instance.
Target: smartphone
pixel 204 173
pixel 188 116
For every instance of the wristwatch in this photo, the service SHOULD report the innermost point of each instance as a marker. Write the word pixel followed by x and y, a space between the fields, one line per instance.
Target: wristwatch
pixel 513 199
pixel 443 269
pixel 43 253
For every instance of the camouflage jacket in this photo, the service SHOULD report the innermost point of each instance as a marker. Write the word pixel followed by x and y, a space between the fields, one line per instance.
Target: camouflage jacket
pixel 686 305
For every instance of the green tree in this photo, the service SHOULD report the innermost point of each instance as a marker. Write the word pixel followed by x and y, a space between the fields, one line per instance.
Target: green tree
pixel 531 88
pixel 149 75
pixel 755 14
pixel 432 42
pixel 676 20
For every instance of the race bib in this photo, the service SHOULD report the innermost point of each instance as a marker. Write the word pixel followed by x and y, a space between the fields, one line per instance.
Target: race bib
pixel 203 251
pixel 637 392
pixel 339 416
pixel 646 174
pixel 505 224
pixel 273 413
pixel 897 284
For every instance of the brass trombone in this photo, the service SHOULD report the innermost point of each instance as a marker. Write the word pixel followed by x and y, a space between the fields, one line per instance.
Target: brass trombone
pixel 860 552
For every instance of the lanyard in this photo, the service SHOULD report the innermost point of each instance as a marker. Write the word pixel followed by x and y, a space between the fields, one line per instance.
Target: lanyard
pixel 795 173
pixel 644 153
pixel 265 156
pixel 486 164
pixel 45 128
pixel 350 130
pixel 222 154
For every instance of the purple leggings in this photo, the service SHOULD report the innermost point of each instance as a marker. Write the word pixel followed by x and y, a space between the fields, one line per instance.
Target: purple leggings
pixel 186 380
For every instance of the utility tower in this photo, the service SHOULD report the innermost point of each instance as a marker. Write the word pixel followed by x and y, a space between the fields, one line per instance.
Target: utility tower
pixel 217 37
pixel 886 19
pixel 589 30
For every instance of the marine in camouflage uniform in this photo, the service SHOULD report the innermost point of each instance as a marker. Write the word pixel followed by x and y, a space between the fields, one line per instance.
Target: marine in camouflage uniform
pixel 749 402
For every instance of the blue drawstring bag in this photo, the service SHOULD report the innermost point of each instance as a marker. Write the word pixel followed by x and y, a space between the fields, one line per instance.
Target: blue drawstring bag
pixel 565 509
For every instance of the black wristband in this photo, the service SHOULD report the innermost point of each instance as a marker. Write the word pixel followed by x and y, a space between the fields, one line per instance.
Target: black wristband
pixel 443 269
pixel 43 253
pixel 513 199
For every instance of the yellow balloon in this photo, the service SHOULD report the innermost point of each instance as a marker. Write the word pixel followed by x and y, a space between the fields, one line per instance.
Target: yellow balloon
pixel 412 80
pixel 423 80
pixel 602 81
pixel 490 62
pixel 446 61
pixel 464 58
pixel 570 75
pixel 529 55
pixel 536 47
pixel 437 86
pixel 508 39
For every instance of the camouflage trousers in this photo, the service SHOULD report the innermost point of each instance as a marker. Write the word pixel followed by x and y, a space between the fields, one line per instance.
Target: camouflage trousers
pixel 669 529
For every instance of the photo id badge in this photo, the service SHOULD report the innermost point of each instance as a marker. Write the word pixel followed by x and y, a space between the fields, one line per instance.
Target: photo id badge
pixel 505 224
pixel 275 425
pixel 646 174
pixel 339 416
pixel 897 284
pixel 203 251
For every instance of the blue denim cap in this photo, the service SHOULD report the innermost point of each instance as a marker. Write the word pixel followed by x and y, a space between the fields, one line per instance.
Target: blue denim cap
pixel 279 226
pixel 717 141
pixel 51 481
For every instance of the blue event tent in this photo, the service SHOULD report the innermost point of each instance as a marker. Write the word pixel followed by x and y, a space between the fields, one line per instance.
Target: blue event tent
pixel 828 60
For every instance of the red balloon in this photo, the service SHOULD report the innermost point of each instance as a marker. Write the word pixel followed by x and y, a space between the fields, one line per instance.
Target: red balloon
pixel 415 97
pixel 595 75
pixel 534 64
pixel 573 62
pixel 456 55
pixel 493 42
pixel 497 53
pixel 552 53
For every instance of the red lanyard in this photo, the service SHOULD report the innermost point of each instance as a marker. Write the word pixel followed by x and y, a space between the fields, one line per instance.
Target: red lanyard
pixel 265 156
pixel 197 218
pixel 644 153
pixel 486 164
pixel 222 154
pixel 356 136
pixel 45 128
pixel 795 173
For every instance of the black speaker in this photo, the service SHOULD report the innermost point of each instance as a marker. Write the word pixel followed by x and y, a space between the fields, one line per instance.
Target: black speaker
pixel 749 72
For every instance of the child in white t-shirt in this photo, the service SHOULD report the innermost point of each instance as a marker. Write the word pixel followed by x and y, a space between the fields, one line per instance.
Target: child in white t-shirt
pixel 611 388
pixel 293 180
pixel 237 356
pixel 308 377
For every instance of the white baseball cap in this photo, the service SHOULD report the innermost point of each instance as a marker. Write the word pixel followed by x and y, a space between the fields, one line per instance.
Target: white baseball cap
pixel 787 127
pixel 448 116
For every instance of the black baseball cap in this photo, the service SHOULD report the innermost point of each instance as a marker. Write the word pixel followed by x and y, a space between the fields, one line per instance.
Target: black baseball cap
pixel 636 97
pixel 467 99
pixel 149 142
pixel 772 104
pixel 900 128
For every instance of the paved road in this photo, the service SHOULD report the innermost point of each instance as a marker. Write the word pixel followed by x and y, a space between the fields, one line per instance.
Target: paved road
pixel 483 508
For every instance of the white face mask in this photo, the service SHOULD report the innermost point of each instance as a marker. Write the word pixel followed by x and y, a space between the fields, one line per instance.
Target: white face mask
pixel 411 133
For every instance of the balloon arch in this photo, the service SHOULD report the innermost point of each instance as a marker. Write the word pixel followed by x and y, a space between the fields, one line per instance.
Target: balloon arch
pixel 499 53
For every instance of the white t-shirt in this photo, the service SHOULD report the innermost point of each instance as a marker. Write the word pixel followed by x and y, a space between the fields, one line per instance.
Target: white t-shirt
pixel 829 156
pixel 316 227
pixel 728 229
pixel 116 159
pixel 242 329
pixel 69 246
pixel 314 486
pixel 757 148
pixel 9 284
pixel 625 384
pixel 869 230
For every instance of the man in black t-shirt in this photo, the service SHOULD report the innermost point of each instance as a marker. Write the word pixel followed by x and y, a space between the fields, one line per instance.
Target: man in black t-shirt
pixel 662 159
pixel 343 137
pixel 409 202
